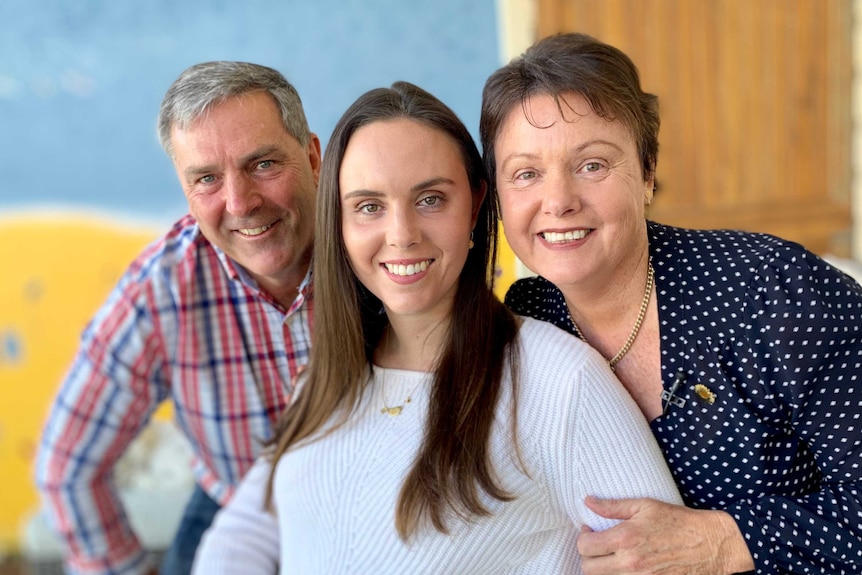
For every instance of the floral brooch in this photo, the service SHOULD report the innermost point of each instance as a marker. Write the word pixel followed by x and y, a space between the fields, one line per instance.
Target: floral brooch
pixel 704 393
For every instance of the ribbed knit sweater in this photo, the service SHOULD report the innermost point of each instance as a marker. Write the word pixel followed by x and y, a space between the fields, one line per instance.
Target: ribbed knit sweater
pixel 579 434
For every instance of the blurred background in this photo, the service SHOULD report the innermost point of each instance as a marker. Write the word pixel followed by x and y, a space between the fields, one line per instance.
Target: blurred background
pixel 760 104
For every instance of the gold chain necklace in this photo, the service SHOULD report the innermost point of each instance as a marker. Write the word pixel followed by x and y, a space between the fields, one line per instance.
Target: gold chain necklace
pixel 396 409
pixel 650 281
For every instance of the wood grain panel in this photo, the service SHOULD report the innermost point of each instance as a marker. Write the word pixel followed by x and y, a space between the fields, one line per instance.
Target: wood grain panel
pixel 755 107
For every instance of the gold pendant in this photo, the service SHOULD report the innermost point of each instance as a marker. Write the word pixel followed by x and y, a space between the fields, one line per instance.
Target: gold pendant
pixel 392 410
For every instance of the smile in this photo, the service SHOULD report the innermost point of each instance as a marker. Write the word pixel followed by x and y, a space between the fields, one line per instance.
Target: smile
pixel 253 231
pixel 408 270
pixel 562 237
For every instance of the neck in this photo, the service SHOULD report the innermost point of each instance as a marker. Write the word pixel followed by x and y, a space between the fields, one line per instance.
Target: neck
pixel 605 317
pixel 283 289
pixel 411 343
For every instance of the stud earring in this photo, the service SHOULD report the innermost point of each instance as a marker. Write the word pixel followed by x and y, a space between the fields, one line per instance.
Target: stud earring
pixel 648 198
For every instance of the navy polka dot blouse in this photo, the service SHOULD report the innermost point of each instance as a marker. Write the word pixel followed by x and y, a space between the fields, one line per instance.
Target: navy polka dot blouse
pixel 767 424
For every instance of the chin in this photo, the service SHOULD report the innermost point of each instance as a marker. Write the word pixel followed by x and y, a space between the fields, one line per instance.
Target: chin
pixel 558 276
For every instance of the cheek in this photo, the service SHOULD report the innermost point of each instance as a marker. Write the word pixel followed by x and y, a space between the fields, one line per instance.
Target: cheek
pixel 356 245
pixel 624 209
pixel 507 208
pixel 516 220
pixel 204 209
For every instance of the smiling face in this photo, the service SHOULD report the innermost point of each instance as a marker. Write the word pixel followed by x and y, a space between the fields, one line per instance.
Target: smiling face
pixel 251 187
pixel 572 192
pixel 407 213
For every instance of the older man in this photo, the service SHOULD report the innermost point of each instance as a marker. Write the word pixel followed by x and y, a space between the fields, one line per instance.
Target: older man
pixel 215 315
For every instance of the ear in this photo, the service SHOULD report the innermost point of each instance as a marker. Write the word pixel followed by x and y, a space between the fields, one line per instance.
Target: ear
pixel 314 156
pixel 478 198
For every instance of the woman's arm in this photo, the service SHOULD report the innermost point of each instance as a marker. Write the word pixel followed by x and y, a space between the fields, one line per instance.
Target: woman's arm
pixel 806 334
pixel 584 430
pixel 638 522
pixel 244 537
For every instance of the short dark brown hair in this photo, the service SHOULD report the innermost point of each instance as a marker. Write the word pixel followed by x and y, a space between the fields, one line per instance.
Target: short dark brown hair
pixel 572 64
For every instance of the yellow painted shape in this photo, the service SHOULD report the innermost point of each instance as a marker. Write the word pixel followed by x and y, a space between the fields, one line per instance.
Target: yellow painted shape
pixel 57 270
pixel 506 267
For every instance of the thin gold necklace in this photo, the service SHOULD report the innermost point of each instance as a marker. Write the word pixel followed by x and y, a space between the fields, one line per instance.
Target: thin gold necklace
pixel 650 281
pixel 395 409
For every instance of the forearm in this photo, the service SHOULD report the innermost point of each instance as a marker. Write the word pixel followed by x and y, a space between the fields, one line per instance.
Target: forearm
pixel 74 473
pixel 91 521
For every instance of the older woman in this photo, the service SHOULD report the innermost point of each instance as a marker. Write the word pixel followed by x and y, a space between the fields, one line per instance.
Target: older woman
pixel 742 350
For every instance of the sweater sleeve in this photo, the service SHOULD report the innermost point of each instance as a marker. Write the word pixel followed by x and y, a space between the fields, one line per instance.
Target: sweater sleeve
pixel 244 537
pixel 807 340
pixel 595 439
pixel 112 387
pixel 615 453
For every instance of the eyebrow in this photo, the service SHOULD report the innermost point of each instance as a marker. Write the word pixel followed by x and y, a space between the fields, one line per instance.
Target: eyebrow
pixel 432 182
pixel 254 155
pixel 416 188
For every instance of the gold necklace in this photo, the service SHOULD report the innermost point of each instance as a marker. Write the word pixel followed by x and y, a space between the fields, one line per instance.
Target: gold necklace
pixel 650 281
pixel 396 409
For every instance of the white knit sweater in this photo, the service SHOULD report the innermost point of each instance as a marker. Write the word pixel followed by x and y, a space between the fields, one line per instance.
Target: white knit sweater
pixel 579 433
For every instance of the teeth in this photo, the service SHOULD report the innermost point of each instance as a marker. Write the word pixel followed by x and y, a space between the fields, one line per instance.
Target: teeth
pixel 409 270
pixel 254 231
pixel 558 237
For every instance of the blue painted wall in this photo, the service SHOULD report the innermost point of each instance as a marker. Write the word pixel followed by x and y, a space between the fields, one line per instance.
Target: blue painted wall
pixel 81 81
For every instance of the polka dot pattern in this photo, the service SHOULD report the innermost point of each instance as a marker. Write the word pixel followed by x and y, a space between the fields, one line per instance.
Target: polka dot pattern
pixel 774 335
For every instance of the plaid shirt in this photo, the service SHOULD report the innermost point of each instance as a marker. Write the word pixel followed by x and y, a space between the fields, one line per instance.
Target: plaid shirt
pixel 184 322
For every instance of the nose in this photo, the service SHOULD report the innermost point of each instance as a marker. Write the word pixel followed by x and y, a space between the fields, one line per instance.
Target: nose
pixel 241 196
pixel 561 195
pixel 403 229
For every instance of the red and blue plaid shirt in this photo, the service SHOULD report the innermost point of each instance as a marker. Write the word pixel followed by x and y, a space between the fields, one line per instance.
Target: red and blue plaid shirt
pixel 185 323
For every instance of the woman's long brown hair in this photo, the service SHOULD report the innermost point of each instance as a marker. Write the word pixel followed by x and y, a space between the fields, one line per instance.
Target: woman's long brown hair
pixel 453 466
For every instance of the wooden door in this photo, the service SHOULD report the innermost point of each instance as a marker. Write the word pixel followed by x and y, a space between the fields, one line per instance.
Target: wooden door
pixel 755 106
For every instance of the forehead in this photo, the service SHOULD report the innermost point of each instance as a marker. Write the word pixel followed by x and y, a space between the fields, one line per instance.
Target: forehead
pixel 253 115
pixel 400 148
pixel 544 117
pixel 407 131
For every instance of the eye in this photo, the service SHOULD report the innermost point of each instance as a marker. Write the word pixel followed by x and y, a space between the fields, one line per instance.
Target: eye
pixel 592 166
pixel 208 179
pixel 368 208
pixel 526 175
pixel 431 201
pixel 265 164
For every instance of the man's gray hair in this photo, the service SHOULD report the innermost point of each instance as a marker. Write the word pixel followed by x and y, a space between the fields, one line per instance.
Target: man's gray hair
pixel 205 85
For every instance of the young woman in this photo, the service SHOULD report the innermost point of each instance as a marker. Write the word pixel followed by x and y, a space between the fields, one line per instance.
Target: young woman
pixel 435 432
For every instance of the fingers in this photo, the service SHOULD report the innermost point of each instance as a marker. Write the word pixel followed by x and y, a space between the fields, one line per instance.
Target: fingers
pixel 595 544
pixel 629 545
pixel 615 508
pixel 600 565
pixel 661 538
pixel 599 543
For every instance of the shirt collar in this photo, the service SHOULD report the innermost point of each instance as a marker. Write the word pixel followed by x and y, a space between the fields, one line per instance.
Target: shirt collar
pixel 238 273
